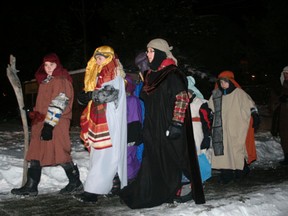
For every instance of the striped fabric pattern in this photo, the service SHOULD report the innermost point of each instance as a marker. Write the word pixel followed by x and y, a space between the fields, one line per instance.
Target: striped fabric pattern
pixel 95 131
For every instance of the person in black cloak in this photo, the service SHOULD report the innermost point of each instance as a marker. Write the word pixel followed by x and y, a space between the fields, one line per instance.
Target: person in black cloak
pixel 283 115
pixel 169 151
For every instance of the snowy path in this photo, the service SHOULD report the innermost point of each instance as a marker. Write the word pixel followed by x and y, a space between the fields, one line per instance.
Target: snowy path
pixel 216 197
pixel 263 192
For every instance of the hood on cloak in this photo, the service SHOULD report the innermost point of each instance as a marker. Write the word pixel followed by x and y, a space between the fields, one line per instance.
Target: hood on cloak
pixel 41 74
pixel 159 57
pixel 227 75
pixel 130 85
pixel 285 70
pixel 192 87
pixel 141 61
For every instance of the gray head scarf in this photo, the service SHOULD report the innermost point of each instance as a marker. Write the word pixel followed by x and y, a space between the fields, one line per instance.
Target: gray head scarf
pixel 162 45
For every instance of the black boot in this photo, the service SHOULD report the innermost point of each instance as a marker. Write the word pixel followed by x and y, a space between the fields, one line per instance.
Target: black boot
pixel 285 161
pixel 226 176
pixel 184 194
pixel 86 197
pixel 240 174
pixel 74 185
pixel 116 185
pixel 33 178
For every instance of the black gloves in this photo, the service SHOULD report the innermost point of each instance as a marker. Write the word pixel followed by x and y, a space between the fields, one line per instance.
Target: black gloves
pixel 175 130
pixel 283 99
pixel 134 134
pixel 47 132
pixel 84 97
pixel 256 120
pixel 205 144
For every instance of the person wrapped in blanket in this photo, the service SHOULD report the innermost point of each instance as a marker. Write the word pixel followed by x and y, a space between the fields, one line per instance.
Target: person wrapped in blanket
pixel 235 120
pixel 134 133
pixel 201 118
pixel 50 143
pixel 165 157
pixel 104 125
pixel 141 61
pixel 202 121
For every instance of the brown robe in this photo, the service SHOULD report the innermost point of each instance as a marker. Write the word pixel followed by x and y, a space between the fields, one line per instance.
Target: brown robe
pixel 57 150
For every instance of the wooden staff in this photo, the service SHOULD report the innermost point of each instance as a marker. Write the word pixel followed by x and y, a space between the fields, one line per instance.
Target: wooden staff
pixel 16 84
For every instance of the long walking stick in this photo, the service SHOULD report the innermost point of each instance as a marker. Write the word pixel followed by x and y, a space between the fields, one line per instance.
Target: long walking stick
pixel 15 82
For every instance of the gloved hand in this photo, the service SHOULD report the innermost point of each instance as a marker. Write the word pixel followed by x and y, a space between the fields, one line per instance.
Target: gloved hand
pixel 283 98
pixel 105 95
pixel 256 120
pixel 205 144
pixel 36 117
pixel 84 97
pixel 175 130
pixel 47 132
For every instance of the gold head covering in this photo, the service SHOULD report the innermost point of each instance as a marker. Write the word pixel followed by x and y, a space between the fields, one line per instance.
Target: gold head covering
pixel 93 69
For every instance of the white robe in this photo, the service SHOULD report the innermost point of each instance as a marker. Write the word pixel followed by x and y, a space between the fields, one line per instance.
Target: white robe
pixel 105 163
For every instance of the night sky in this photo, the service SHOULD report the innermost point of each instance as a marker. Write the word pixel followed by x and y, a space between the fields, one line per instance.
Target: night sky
pixel 32 29
pixel 211 34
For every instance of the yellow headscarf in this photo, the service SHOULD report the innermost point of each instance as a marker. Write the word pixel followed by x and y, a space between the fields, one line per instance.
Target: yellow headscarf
pixel 93 69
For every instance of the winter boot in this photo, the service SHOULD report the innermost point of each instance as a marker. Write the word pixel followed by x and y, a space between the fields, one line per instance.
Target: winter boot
pixel 184 194
pixel 240 174
pixel 226 176
pixel 33 178
pixel 116 185
pixel 74 185
pixel 285 161
pixel 86 197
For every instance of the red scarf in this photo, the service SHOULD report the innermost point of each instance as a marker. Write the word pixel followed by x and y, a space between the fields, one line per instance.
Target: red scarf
pixel 94 126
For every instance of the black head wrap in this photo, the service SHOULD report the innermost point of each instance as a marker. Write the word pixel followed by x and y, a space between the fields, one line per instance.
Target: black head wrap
pixel 159 57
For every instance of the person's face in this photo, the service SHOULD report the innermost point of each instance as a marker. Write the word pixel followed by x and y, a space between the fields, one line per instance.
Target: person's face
pixel 224 84
pixel 150 54
pixel 49 67
pixel 285 75
pixel 100 59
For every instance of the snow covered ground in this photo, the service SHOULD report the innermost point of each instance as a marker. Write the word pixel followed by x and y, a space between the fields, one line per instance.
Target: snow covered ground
pixel 265 200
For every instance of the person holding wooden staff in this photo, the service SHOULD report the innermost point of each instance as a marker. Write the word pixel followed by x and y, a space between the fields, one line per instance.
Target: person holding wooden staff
pixel 50 143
